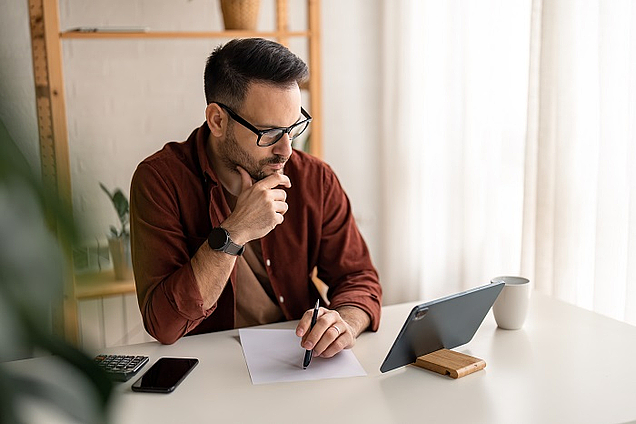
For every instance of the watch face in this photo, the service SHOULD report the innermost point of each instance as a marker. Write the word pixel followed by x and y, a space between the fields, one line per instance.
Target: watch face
pixel 218 238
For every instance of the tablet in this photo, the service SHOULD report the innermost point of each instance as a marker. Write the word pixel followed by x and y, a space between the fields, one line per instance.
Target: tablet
pixel 443 323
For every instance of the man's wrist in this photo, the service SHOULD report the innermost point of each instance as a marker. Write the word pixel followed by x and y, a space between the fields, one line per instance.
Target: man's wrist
pixel 357 319
pixel 236 235
pixel 220 240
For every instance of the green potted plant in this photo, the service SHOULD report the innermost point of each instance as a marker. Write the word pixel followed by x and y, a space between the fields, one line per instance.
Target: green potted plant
pixel 119 239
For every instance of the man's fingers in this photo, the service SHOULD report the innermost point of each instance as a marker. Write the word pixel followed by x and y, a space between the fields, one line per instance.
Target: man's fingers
pixel 275 180
pixel 281 207
pixel 335 338
pixel 303 325
pixel 246 180
pixel 325 320
pixel 305 322
pixel 279 194
pixel 339 342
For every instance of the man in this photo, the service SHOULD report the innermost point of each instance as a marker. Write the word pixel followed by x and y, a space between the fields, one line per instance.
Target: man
pixel 228 226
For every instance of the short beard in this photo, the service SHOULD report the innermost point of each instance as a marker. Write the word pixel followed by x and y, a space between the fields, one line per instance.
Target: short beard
pixel 233 155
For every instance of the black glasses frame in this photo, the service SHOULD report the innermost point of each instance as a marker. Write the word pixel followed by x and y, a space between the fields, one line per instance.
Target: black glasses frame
pixel 261 133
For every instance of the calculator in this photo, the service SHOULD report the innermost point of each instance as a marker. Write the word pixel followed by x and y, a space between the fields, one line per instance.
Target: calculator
pixel 121 367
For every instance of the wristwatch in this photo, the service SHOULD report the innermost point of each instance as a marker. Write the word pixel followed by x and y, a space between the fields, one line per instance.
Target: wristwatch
pixel 219 239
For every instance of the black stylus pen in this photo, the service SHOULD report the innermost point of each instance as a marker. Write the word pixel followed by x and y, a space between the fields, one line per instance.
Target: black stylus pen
pixel 308 353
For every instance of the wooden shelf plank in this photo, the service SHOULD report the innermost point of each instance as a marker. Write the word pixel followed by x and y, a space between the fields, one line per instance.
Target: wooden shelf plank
pixel 99 284
pixel 181 34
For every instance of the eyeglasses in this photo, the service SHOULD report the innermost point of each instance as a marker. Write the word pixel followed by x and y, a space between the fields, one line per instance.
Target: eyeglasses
pixel 271 136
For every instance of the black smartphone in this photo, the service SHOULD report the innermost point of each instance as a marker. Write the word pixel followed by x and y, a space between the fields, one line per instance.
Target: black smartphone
pixel 165 375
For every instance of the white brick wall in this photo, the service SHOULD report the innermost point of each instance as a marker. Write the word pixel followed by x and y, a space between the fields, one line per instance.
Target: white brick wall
pixel 125 100
pixel 17 91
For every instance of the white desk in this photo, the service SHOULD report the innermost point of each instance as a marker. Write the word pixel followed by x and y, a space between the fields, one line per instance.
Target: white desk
pixel 567 365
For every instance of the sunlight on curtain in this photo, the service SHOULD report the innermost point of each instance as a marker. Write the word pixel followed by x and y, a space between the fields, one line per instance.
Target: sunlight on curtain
pixel 455 105
pixel 509 147
pixel 580 211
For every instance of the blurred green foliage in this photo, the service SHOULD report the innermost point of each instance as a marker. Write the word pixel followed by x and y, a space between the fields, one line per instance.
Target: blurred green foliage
pixel 32 271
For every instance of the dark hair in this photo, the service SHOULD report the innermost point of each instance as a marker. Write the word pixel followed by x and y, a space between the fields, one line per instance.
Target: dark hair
pixel 232 67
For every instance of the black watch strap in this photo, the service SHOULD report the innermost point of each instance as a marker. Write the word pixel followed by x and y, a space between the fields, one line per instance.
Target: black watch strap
pixel 219 239
pixel 233 248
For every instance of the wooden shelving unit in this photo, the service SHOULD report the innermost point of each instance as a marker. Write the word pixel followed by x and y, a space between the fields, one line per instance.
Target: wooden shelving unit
pixel 184 34
pixel 47 43
pixel 100 284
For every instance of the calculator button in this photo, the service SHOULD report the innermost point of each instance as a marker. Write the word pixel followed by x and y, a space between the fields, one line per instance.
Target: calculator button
pixel 121 367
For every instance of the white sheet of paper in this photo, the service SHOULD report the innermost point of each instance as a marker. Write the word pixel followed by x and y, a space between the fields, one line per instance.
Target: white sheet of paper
pixel 274 356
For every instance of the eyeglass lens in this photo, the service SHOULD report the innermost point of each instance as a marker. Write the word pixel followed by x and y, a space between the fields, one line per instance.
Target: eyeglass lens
pixel 272 136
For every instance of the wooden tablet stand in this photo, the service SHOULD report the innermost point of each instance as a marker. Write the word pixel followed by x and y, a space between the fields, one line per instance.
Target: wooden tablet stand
pixel 451 363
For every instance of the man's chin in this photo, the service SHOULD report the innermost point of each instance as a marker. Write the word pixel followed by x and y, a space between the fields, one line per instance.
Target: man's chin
pixel 269 169
pixel 264 173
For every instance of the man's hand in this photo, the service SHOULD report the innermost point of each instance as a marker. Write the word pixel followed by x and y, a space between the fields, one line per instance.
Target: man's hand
pixel 259 208
pixel 334 330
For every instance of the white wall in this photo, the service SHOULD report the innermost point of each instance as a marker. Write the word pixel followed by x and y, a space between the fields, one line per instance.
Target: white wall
pixel 127 98
pixel 110 321
pixel 351 104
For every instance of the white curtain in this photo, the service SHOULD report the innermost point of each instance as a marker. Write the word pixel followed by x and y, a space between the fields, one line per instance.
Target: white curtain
pixel 508 140
pixel 455 105
pixel 580 210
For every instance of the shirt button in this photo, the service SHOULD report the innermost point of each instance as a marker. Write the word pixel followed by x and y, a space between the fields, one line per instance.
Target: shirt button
pixel 268 262
pixel 281 299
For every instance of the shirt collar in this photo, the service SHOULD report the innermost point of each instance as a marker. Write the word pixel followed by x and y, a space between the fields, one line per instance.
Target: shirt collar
pixel 202 140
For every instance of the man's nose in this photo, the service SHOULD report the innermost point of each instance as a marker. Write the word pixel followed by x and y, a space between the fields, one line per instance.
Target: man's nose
pixel 283 147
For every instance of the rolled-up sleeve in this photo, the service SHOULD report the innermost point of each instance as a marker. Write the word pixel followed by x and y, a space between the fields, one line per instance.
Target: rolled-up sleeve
pixel 169 299
pixel 345 263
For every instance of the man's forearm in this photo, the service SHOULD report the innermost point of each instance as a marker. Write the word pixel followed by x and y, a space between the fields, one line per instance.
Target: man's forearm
pixel 212 270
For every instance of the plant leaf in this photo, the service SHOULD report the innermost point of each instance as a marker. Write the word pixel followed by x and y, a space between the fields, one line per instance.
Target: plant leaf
pixel 76 405
pixel 8 411
pixel 121 205
pixel 110 196
pixel 89 369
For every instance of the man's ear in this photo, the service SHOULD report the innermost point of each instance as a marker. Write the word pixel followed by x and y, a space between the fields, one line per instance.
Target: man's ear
pixel 216 119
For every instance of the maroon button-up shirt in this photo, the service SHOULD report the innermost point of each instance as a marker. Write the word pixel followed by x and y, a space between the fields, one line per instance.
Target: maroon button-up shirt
pixel 176 199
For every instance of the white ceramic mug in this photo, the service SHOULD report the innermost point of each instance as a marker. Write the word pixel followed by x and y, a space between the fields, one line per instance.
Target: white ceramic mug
pixel 511 307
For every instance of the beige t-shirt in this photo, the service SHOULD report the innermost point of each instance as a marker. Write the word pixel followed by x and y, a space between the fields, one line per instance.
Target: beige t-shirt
pixel 255 298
